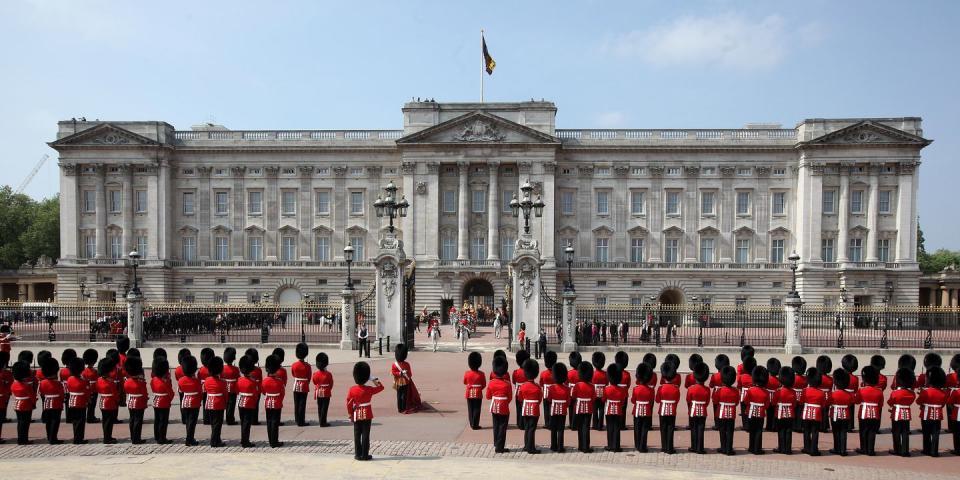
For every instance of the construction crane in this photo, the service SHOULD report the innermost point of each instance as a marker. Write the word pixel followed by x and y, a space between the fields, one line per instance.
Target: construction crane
pixel 33 173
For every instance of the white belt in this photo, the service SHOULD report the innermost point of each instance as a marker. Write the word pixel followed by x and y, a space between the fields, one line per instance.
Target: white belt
pixel 51 396
pixel 214 394
pixel 864 406
pixel 580 400
pixel 134 395
pixel 21 398
pixel 301 379
pixel 106 395
pixel 187 394
pixel 927 408
pixel 77 393
pixel 810 405
pixel 230 380
pixel 323 385
pixel 476 386
pixel 160 394
pixel 245 394
pixel 277 395
pixel 360 405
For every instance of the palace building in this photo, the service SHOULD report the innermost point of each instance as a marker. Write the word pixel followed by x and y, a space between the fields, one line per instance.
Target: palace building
pixel 668 215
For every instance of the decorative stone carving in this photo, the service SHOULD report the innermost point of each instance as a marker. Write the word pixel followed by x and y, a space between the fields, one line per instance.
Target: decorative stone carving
pixel 524 167
pixel 480 131
pixel 692 171
pixel 727 171
pixel 271 170
pixel 549 167
pixel 388 277
pixel 306 170
pixel 340 170
pixel 656 170
pixel 69 169
pixel 526 243
pixel 421 188
pixel 204 171
pixel 537 188
pixel 864 136
pixel 763 171
pixel 433 167
pixel 817 169
pixel 907 168
pixel 527 276
pixel 621 170
pixel 111 138
pixel 586 170
pixel 374 170
pixel 408 168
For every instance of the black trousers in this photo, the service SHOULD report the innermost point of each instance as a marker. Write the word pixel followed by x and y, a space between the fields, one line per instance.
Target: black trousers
pixel 273 426
pixel 755 429
pixel 726 427
pixel 868 435
pixel 530 433
pixel 811 437
pixel 641 429
pixel 572 416
pixel 557 425
pixel 300 408
pixel 519 409
pixel 361 439
pixel 161 418
pixel 785 436
pixel 951 419
pixel 668 424
pixel 216 426
pixel 92 409
pixel 190 423
pixel 23 426
pixel 323 406
pixel 473 412
pixel 840 430
pixel 798 418
pixel 598 414
pixel 402 398
pixel 583 431
pixel 613 433
pixel 901 437
pixel 246 420
pixel 824 422
pixel 231 409
pixel 51 423
pixel 697 427
pixel 771 425
pixel 206 413
pixel 364 345
pixel 108 418
pixel 79 420
pixel 136 425
pixel 500 431
pixel 931 437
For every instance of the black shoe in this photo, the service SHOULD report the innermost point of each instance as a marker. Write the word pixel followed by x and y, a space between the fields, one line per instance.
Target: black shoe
pixel 56 442
pixel 191 443
pixel 138 442
pixel 93 420
pixel 534 451
pixel 367 458
pixel 643 450
pixel 815 453
pixel 164 442
pixel 79 442
pixel 232 423
pixel 251 445
pixel 109 441
pixel 25 442
pixel 586 450
pixel 218 444
pixel 324 424
pixel 670 452
pixel 860 451
pixel 276 445
pixel 561 450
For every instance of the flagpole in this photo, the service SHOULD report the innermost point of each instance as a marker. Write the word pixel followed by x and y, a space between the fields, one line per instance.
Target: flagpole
pixel 482 65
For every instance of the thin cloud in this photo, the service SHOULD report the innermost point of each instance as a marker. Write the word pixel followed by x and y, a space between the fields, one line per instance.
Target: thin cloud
pixel 611 119
pixel 729 41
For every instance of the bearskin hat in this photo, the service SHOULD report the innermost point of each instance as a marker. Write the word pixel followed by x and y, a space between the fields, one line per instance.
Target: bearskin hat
pixel 215 367
pixel 25 356
pixel 245 365
pixel 254 355
pixel 322 361
pixel 76 367
pixel 824 364
pixel 787 377
pixel 870 375
pixel 585 372
pixel 644 373
pixel 189 365
pixel 760 376
pixel 4 328
pixel 932 360
pixel 499 366
pixel 161 367
pixel 67 355
pixel 301 351
pixel 694 360
pixel 361 372
pixel 701 372
pixel 613 374
pixel 474 360
pixel 746 351
pixel 674 359
pixel 879 362
pixel 400 352
pixel 134 366
pixel 651 360
pixel 905 378
pixel 668 370
pixel 749 364
pixel 728 375
pixel 205 355
pixel 281 353
pixel 114 354
pixel 549 359
pixel 106 367
pixel 123 344
pixel 521 356
pixel 20 371
pixel 850 363
pixel 133 352
pixel 229 355
pixel 907 361
pixel 271 364
pixel 599 360
pixel 531 369
pixel 814 378
pixel 183 353
pixel 955 362
pixel 90 357
pixel 936 377
pixel 501 353
pixel 799 365
pixel 574 358
pixel 42 357
pixel 773 365
pixel 841 379
pixel 721 361
pixel 159 352
pixel 50 367
pixel 559 373
pixel 621 359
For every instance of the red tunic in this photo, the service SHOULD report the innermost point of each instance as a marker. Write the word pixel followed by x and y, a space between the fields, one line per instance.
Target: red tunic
pixel 136 390
pixel 931 401
pixel 546 379
pixel 190 388
pixel 854 384
pixel 558 399
pixel 6 379
pixel 500 394
pixel 698 398
pixel 799 384
pixel 642 401
pixel 668 395
pixel 673 381
pixel 583 396
pixel 5 342
pixel 784 401
pixel 24 397
pixel 653 380
pixel 519 378
pixel 952 382
pixel 230 375
pixel 359 401
pixel 109 395
pixel 715 382
pixel 257 374
pixel 216 390
pixel 954 402
pixel 90 375
pixel 725 401
pixel 900 401
pixel 322 384
pixel 475 381
pixel 178 373
pixel 162 392
pixel 689 381
pixel 599 384
pixel 301 376
pixel 813 400
pixel 870 398
pixel 744 382
pixel 402 373
pixel 756 400
pixel 78 392
pixel 505 378
pixel 248 391
pixel 882 383
pixel 51 391
pixel 530 396
pixel 273 392
pixel 840 402
pixel 282 375
pixel 613 400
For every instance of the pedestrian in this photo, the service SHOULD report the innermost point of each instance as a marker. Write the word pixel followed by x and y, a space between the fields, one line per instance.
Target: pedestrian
pixel 189 385
pixel 230 375
pixel 248 397
pixel 162 399
pixel 135 388
pixel 814 401
pixel 530 396
pixel 541 342
pixel 301 372
pixel 931 400
pixel 599 382
pixel 360 409
pixel 25 400
pixel 518 379
pixel 642 400
pixel 78 394
pixel 51 394
pixel 584 396
pixel 725 400
pixel 784 403
pixel 475 381
pixel 556 404
pixel 613 406
pixel 273 392
pixel 107 391
pixel 901 399
pixel 500 392
pixel 363 340
pixel 322 387
pixel 463 332
pixel 758 401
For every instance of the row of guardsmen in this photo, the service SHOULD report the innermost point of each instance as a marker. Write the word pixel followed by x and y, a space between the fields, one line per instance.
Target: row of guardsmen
pixel 783 399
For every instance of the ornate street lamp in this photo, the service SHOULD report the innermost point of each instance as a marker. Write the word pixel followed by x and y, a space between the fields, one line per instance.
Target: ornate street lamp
pixel 888 286
pixel 389 207
pixel 526 204
pixel 348 257
pixel 568 254
pixel 794 259
pixel 135 259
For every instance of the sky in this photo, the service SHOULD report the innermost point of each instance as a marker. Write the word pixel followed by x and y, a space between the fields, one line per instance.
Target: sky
pixel 335 65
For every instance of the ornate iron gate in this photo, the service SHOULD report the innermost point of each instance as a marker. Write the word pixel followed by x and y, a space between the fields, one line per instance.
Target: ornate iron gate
pixel 551 318
pixel 409 308
pixel 365 309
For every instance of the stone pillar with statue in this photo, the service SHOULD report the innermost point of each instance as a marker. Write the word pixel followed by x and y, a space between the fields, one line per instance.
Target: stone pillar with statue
pixel 391 263
pixel 526 265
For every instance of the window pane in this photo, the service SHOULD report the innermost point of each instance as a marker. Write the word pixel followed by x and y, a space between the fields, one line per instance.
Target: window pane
pixel 506 196
pixel 256 248
pixel 672 250
pixel 222 199
pixel 478 248
pixel 743 251
pixel 601 250
pixel 828 196
pixel 706 250
pixel 603 208
pixel 507 242
pixel 636 203
pixel 288 249
pixel 673 203
pixel 636 250
pixel 89 201
pixel 856 201
pixel 255 206
pixel 776 251
pixel 449 201
pixel 826 249
pixel 115 201
pixel 323 249
pixel 357 243
pixel 222 250
pixel 356 203
pixel 323 203
pixel 289 203
pixel 141 201
pixel 189 248
pixel 884 204
pixel 188 203
pixel 142 246
pixel 479 201
pixel 448 246
pixel 779 203
pixel 706 203
pixel 743 203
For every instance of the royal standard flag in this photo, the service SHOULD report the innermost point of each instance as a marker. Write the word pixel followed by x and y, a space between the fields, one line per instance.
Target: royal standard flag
pixel 488 63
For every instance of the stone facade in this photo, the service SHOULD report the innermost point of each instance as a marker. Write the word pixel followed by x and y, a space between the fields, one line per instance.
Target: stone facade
pixel 228 215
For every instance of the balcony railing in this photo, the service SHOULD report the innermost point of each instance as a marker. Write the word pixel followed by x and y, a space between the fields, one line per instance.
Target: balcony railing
pixel 473 263
pixel 680 266
pixel 655 135
pixel 286 135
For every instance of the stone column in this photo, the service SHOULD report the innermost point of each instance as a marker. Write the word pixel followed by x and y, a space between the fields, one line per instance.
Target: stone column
pixel 548 230
pixel 944 297
pixel 348 319
pixel 204 214
pixel 493 212
pixel 843 213
pixel 69 211
pixel 932 298
pixel 569 321
pixel 305 208
pixel 526 265
pixel 872 214
pixel 431 211
pixel 390 262
pixel 792 326
pixel 127 209
pixel 238 211
pixel 101 214
pixel 463 214
pixel 271 215
pixel 31 292
pixel 135 318
pixel 906 215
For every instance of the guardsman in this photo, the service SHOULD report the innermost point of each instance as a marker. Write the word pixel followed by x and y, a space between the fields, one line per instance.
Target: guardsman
pixel 360 409
pixel 499 393
pixel 135 388
pixel 162 389
pixel 230 375
pixel 6 380
pixel 190 386
pixel 954 408
pixel 546 380
pixel 799 366
pixel 120 376
pixel 744 382
pixel 773 384
pixel 322 388
pixel 850 364
pixel 698 400
pixel 248 397
pixel 26 357
pixel 642 404
pixel 719 362
pixel 256 374
pixel 556 404
pixel 931 401
pixel 746 351
pixel 518 378
pixel 692 362
pixel 216 401
pixel 841 401
pixel 930 360
pixel 24 400
pixel 273 393
pixel 880 362
pixel 668 396
pixel 870 398
pixel 757 400
pixel 474 381
pixel 599 381
pixel 784 404
pixel 651 360
pixel 6 338
pixel 205 355
pixel 725 401
pixel 281 371
pixel 910 363
pixel 109 397
pixel 583 398
pixel 402 376
pixel 813 402
pixel 623 360
pixel 825 366
pixel 78 394
pixel 65 358
pixel 614 404
pixel 953 383
pixel 301 372
pixel 572 378
pixel 675 360
pixel 901 399
pixel 51 394
pixel 530 396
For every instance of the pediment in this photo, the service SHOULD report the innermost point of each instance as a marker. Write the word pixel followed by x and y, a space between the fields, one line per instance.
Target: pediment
pixel 638 231
pixel 356 229
pixel 603 230
pixel 868 133
pixel 479 128
pixel 104 135
pixel 254 229
pixel 221 229
pixel 188 229
pixel 288 229
pixel 859 230
pixel 744 231
pixel 322 229
pixel 708 231
pixel 779 231
pixel 568 231
pixel 673 231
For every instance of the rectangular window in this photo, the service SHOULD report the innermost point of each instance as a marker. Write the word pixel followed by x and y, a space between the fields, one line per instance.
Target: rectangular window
pixel 323 248
pixel 288 248
pixel 671 250
pixel 356 203
pixel 449 201
pixel 116 251
pixel 828 201
pixel 188 203
pixel 115 201
pixel 478 248
pixel 221 248
pixel 706 203
pixel 603 203
pixel 189 248
pixel 856 250
pixel 743 203
pixel 479 204
pixel 884 203
pixel 673 203
pixel 636 250
pixel 505 197
pixel 222 201
pixel 89 246
pixel 779 203
pixel 256 248
pixel 707 249
pixel 856 201
pixel 776 250
pixel 142 245
pixel 356 242
pixel 448 246
pixel 636 203
pixel 566 203
pixel 288 202
pixel 708 171
pixel 740 301
pixel 743 251
pixel 89 201
pixel 826 250
pixel 883 250
pixel 507 242
pixel 673 171
pixel 744 172
pixel 255 203
pixel 779 172
pixel 323 202
pixel 141 206
pixel 602 250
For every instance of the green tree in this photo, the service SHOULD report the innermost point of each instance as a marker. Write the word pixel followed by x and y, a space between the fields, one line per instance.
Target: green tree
pixel 42 237
pixel 16 211
pixel 938 260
